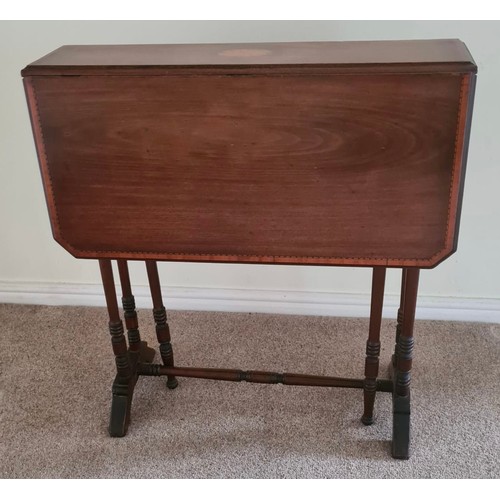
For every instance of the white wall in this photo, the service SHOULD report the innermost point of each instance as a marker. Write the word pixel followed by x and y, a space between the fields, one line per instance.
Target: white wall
pixel 29 255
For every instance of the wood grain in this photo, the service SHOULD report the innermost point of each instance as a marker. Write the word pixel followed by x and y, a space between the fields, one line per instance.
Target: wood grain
pixel 332 169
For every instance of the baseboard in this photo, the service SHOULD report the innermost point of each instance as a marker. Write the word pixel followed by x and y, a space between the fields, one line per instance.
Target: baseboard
pixel 259 301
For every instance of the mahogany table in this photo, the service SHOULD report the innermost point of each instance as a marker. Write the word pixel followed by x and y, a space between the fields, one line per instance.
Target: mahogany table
pixel 331 153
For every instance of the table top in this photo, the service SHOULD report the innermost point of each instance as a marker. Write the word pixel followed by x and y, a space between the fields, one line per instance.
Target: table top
pixel 408 55
pixel 325 153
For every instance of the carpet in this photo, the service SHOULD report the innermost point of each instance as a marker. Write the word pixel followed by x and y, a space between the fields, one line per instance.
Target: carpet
pixel 55 385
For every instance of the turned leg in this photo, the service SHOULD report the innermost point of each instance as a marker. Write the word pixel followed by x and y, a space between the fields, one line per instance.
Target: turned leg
pixel 160 316
pixel 399 324
pixel 146 354
pixel 123 384
pixel 373 344
pixel 402 367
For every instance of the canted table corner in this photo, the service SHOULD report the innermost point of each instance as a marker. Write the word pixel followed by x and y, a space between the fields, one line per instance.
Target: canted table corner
pixel 324 153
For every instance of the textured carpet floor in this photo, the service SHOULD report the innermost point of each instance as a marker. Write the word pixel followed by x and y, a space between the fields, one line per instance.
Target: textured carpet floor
pixel 57 369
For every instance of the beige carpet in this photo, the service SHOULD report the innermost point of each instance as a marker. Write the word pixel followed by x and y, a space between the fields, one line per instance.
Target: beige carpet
pixel 57 369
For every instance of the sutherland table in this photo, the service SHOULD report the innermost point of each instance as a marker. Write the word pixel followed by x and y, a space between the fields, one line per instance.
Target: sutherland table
pixel 331 153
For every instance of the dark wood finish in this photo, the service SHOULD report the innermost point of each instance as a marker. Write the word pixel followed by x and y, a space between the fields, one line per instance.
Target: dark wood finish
pixel 123 385
pixel 126 359
pixel 115 324
pixel 260 377
pixel 402 368
pixel 307 153
pixel 123 392
pixel 160 316
pixel 128 302
pixel 319 160
pixel 462 152
pixel 399 324
pixel 248 170
pixel 389 56
pixel 373 344
pixel 405 341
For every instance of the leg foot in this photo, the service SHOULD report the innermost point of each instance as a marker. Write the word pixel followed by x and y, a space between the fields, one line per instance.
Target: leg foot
pixel 172 382
pixel 401 427
pixel 123 392
pixel 120 409
pixel 367 420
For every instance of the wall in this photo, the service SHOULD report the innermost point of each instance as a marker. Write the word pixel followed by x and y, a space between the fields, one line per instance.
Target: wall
pixel 30 258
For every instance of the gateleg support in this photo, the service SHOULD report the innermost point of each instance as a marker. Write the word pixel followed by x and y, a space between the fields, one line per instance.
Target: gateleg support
pixel 160 317
pixel 373 344
pixel 401 366
pixel 126 359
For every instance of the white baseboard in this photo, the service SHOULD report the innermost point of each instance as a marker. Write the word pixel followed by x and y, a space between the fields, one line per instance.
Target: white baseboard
pixel 259 301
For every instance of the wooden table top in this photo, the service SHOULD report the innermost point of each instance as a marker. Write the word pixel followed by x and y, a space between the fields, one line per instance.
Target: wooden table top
pixel 328 153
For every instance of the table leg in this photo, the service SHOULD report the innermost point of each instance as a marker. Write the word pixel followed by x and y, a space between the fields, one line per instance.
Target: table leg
pixel 402 367
pixel 399 325
pixel 123 385
pixel 146 354
pixel 373 344
pixel 160 316
pixel 128 302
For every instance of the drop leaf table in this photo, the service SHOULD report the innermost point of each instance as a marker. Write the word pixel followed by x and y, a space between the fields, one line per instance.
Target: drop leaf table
pixel 325 154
